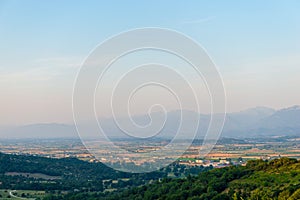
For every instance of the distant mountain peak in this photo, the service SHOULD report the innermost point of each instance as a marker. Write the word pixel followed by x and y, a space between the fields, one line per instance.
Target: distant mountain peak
pixel 295 107
pixel 259 110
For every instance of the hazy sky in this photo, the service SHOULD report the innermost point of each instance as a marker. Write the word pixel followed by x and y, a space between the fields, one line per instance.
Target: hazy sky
pixel 255 44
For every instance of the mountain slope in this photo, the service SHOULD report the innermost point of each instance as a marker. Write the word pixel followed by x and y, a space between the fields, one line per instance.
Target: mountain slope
pixel 284 121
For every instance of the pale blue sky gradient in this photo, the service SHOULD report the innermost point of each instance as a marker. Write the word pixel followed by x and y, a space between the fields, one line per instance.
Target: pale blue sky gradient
pixel 255 44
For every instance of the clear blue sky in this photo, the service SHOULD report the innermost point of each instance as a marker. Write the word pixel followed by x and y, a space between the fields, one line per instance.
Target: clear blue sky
pixel 256 45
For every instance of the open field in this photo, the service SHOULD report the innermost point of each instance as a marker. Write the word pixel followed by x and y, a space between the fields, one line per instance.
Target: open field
pixel 21 194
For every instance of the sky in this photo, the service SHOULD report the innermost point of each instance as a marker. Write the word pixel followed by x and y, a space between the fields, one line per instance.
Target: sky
pixel 255 45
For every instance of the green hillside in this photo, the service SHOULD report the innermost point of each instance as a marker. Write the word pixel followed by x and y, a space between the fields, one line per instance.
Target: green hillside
pixel 259 180
pixel 20 172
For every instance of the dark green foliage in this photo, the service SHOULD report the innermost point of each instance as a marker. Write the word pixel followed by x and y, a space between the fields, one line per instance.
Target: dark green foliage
pixel 262 180
pixel 87 179
pixel 73 173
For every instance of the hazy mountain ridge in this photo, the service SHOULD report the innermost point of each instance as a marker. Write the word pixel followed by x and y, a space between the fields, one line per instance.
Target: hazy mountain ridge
pixel 259 121
pixel 42 130
pixel 264 122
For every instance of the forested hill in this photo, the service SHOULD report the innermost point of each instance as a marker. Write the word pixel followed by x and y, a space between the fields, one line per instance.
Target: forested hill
pixel 259 180
pixel 21 172
pixel 27 172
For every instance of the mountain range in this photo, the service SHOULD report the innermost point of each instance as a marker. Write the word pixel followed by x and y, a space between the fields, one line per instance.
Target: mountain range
pixel 254 122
